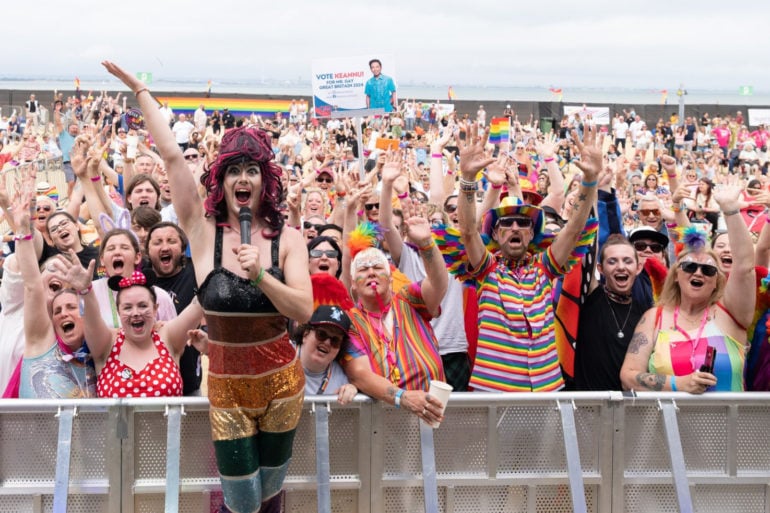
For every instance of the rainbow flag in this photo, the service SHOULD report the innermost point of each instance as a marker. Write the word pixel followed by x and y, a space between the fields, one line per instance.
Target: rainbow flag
pixel 77 84
pixel 663 96
pixel 500 130
pixel 237 106
pixel 451 93
pixel 557 92
pixel 208 89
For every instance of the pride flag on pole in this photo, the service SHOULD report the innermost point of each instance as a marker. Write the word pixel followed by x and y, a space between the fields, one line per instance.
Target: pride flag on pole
pixel 451 93
pixel 557 92
pixel 500 130
pixel 208 89
pixel 663 96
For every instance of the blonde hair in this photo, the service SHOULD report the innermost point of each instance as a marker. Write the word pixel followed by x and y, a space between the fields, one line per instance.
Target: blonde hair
pixel 671 294
pixel 324 198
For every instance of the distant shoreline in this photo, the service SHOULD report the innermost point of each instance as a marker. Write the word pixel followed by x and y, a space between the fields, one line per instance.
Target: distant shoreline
pixel 544 109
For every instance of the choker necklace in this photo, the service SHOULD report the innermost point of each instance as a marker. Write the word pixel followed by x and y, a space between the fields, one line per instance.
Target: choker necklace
pixel 619 334
pixel 617 297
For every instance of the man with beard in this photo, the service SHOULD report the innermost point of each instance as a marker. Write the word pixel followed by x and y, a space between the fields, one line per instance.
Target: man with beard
pixel 608 318
pixel 516 344
pixel 166 246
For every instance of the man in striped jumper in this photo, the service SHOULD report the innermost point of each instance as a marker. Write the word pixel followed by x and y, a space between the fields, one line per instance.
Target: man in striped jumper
pixel 516 344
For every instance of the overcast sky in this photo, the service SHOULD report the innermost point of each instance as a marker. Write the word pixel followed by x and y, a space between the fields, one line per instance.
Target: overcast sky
pixel 640 44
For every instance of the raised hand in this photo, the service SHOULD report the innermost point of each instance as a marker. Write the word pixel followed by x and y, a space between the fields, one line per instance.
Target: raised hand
pixel 392 168
pixel 548 147
pixel 124 76
pixel 473 158
pixel 728 197
pixel 590 149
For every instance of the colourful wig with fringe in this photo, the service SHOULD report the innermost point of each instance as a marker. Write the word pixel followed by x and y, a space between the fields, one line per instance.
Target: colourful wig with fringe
pixel 329 291
pixel 246 144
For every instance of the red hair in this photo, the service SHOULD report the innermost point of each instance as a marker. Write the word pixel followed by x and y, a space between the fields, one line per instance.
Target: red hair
pixel 246 144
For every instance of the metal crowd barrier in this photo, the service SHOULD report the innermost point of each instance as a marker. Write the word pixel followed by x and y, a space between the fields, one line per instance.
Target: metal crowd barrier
pixel 554 452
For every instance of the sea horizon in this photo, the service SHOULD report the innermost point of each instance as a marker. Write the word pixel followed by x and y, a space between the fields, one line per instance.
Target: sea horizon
pixel 496 93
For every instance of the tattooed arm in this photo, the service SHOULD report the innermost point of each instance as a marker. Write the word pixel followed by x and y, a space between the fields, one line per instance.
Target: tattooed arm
pixel 634 373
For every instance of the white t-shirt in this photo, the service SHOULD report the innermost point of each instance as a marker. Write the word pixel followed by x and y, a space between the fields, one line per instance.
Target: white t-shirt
pixel 182 131
pixel 621 129
pixel 449 327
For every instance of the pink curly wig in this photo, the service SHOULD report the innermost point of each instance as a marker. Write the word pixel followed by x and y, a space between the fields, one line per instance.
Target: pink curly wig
pixel 246 144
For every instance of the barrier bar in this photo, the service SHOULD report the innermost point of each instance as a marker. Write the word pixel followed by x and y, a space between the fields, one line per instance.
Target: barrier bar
pixel 323 473
pixel 571 450
pixel 430 486
pixel 675 452
pixel 63 452
pixel 173 452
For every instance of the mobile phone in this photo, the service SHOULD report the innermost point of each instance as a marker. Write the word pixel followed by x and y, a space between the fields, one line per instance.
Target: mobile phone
pixel 708 363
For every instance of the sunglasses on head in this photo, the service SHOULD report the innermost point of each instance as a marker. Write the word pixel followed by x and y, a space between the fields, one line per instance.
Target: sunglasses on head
pixel 321 335
pixel 308 225
pixel 370 206
pixel 321 179
pixel 650 212
pixel 655 247
pixel 521 221
pixel 450 209
pixel 707 269
pixel 318 253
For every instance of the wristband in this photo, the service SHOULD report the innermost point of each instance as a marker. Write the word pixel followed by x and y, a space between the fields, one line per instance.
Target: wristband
pixel 497 186
pixel 402 196
pixel 549 160
pixel 431 245
pixel 673 384
pixel 86 290
pixel 731 212
pixel 671 175
pixel 96 178
pixel 397 399
pixel 136 94
pixel 360 213
pixel 449 172
pixel 341 194
pixel 589 184
pixel 437 155
pixel 19 236
pixel 258 280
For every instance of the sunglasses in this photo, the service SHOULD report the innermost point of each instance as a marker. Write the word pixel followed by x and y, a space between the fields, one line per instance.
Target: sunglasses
pixel 324 180
pixel 318 253
pixel 650 212
pixel 655 247
pixel 321 335
pixel 46 208
pixel 370 206
pixel 191 157
pixel 450 209
pixel 308 225
pixel 521 222
pixel 707 269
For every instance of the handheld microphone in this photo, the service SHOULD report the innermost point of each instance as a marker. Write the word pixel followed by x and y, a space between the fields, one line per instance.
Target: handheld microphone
pixel 244 217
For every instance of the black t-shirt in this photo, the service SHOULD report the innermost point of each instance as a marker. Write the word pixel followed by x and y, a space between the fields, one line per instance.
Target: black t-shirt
pixel 599 353
pixel 85 256
pixel 182 289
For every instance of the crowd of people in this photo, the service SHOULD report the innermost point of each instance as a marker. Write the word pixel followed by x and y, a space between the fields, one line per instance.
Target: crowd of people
pixel 295 262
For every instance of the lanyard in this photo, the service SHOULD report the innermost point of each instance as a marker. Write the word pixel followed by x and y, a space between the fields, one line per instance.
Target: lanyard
pixel 687 336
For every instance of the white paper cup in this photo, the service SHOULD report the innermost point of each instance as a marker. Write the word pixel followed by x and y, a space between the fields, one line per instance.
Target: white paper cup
pixel 440 391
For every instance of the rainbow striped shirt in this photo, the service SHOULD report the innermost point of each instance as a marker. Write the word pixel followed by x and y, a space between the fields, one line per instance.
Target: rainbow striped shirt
pixel 417 361
pixel 517 343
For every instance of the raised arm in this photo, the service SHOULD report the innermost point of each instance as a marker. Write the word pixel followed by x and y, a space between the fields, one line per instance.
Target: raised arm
pixel 547 150
pixel 187 203
pixel 591 165
pixel 742 275
pixel 472 160
pixel 176 331
pixel 436 280
pixel 38 328
pixel 391 173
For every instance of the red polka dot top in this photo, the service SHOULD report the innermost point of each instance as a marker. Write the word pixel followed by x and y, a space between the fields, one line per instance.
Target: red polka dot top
pixel 159 378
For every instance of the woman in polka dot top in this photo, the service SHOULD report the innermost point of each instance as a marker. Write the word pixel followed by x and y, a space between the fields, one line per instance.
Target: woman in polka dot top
pixel 135 360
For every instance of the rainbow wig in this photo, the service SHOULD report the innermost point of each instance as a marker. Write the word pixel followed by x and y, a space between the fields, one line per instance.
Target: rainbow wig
pixel 246 144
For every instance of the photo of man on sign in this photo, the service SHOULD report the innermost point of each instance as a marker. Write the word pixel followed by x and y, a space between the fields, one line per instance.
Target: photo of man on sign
pixel 380 90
